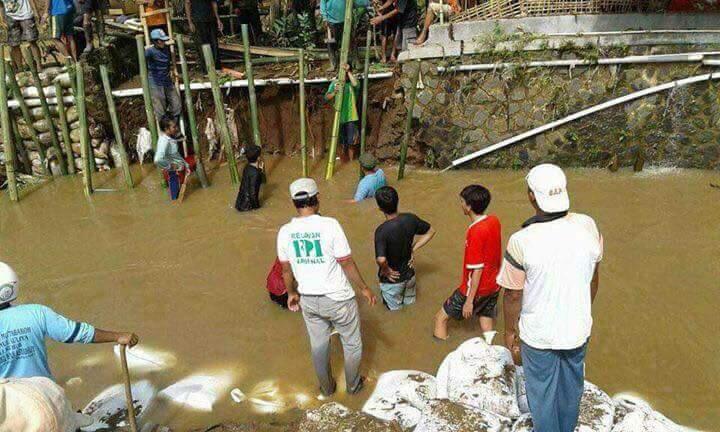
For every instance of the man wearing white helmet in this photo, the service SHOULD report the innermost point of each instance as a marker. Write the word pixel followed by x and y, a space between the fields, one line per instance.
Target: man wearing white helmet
pixel 23 330
pixel 550 276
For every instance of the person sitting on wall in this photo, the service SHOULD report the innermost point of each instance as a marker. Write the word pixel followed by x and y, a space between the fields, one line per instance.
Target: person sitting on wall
pixel 373 178
pixel 168 158
pixel 253 177
pixel 24 328
pixel 165 97
pixel 349 136
pixel 434 10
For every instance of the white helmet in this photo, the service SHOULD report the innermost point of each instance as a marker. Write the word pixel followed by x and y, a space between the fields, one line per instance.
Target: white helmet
pixel 9 284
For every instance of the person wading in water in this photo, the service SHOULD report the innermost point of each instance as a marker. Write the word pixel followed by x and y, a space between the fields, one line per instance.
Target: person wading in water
pixel 550 275
pixel 313 250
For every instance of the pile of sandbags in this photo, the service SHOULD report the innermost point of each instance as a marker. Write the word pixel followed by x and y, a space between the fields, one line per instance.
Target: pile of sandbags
pixel 333 417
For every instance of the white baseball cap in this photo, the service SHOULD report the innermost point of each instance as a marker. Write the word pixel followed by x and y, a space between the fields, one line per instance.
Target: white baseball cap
pixel 549 185
pixel 303 188
pixel 9 284
pixel 38 404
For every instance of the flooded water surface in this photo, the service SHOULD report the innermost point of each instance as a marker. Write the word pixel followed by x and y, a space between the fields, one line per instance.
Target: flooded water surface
pixel 190 280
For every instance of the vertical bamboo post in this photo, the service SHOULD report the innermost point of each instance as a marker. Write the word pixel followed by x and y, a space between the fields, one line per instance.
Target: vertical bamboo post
pixel 64 128
pixel 25 111
pixel 303 132
pixel 251 87
pixel 220 114
pixel 19 146
pixel 363 113
pixel 85 150
pixel 408 121
pixel 7 135
pixel 45 109
pixel 199 167
pixel 340 88
pixel 149 112
pixel 116 126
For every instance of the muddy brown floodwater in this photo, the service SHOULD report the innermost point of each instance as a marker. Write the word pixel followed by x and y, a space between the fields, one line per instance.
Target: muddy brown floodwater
pixel 190 281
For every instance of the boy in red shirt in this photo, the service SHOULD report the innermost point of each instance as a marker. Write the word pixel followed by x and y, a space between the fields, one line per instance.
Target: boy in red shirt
pixel 477 294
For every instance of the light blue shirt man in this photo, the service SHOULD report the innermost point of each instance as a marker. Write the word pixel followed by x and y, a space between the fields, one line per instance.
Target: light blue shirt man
pixel 333 11
pixel 23 330
pixel 167 153
pixel 369 184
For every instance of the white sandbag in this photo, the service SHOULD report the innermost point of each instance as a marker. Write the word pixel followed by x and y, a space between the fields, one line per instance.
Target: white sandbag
pixel 481 376
pixel 74 125
pixel 596 413
pixel 64 80
pixel 447 416
pixel 401 396
pixel 211 135
pixel 333 417
pixel 75 135
pixel 31 92
pixel 72 115
pixel 633 414
pixel 144 144
pixel 38 113
pixel 109 409
pixel 520 390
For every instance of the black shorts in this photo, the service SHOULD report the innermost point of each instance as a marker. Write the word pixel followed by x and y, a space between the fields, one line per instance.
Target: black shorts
pixel 21 31
pixel 483 306
pixel 282 300
pixel 389 28
pixel 89 6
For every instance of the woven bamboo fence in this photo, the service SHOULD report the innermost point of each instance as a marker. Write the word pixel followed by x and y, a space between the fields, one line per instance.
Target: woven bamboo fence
pixel 499 9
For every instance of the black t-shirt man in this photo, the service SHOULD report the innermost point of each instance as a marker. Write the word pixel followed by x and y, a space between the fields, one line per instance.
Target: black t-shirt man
pixel 394 241
pixel 408 13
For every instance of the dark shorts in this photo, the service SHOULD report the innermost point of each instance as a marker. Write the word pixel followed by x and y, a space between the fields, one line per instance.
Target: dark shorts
pixel 484 306
pixel 21 31
pixel 62 25
pixel 389 27
pixel 348 134
pixel 89 6
pixel 282 300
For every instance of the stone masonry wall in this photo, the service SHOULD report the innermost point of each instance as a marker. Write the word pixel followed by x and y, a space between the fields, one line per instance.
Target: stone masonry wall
pixel 460 112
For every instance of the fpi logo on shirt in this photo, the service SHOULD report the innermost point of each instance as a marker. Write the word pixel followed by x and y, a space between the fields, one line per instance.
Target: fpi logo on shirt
pixel 308 248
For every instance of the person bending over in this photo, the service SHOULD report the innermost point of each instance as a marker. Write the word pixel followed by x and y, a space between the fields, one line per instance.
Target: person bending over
pixel 168 158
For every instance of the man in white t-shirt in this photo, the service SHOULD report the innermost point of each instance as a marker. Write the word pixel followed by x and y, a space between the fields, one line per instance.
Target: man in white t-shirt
pixel 19 16
pixel 314 251
pixel 550 276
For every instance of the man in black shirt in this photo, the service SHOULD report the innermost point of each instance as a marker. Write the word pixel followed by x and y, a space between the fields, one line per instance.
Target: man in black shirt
pixel 395 245
pixel 248 197
pixel 406 11
pixel 204 23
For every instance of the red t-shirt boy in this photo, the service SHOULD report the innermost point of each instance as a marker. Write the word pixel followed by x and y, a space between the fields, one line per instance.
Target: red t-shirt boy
pixel 478 292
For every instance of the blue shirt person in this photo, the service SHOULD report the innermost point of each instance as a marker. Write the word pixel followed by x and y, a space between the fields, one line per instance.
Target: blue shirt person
pixel 24 328
pixel 373 179
pixel 165 97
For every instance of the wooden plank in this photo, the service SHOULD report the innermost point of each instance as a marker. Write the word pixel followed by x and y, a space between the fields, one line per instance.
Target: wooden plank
pixel 265 51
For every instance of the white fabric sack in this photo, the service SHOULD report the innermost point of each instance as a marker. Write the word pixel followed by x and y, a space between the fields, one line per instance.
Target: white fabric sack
pixel 520 390
pixel 446 416
pixel 635 415
pixel 401 396
pixel 211 135
pixel 144 143
pixel 481 376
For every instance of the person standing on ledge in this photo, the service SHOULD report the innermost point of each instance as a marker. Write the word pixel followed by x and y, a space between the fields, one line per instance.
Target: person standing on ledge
pixel 24 328
pixel 204 23
pixel 164 95
pixel 551 276
pixel 19 19
pixel 313 250
pixel 349 135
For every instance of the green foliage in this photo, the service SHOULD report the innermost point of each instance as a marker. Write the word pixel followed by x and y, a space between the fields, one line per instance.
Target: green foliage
pixel 294 31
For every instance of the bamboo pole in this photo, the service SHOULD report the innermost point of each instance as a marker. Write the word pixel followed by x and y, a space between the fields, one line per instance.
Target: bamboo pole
pixel 128 389
pixel 149 112
pixel 251 87
pixel 116 126
pixel 199 167
pixel 363 113
pixel 73 73
pixel 220 114
pixel 85 150
pixel 45 109
pixel 65 129
pixel 408 121
pixel 20 147
pixel 25 111
pixel 303 132
pixel 7 135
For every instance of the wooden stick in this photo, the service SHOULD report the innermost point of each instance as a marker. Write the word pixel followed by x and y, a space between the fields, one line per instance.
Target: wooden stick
pixel 251 88
pixel 17 95
pixel 128 389
pixel 149 112
pixel 85 150
pixel 116 126
pixel 45 108
pixel 303 132
pixel 220 114
pixel 183 187
pixel 7 135
pixel 408 121
pixel 190 108
pixel 363 112
pixel 64 128
pixel 340 88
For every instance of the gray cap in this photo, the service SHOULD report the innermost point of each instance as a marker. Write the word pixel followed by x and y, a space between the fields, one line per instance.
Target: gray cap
pixel 367 161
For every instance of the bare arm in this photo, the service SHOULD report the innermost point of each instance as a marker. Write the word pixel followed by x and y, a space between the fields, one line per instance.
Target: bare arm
pixel 353 80
pixel 217 15
pixel 385 5
pixel 107 336
pixel 512 304
pixel 595 283
pixel 386 270
pixel 188 15
pixel 469 301
pixel 289 280
pixel 352 272
pixel 380 18
pixel 424 239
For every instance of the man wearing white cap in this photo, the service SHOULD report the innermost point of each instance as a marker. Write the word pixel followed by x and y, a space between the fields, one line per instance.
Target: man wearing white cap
pixel 550 276
pixel 23 330
pixel 164 95
pixel 314 250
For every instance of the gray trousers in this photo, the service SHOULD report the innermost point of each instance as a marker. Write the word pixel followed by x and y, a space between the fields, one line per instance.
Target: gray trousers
pixel 165 100
pixel 321 315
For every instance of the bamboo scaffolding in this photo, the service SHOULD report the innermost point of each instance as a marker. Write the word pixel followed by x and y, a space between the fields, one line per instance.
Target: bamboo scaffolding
pixel 116 126
pixel 340 88
pixel 199 167
pixel 64 129
pixel 25 111
pixel 149 112
pixel 408 121
pixel 45 109
pixel 251 88
pixel 85 150
pixel 7 135
pixel 303 131
pixel 221 120
pixel 363 112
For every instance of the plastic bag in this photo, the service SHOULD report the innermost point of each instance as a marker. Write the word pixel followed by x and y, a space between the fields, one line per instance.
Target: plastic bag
pixel 144 144
pixel 633 414
pixel 401 396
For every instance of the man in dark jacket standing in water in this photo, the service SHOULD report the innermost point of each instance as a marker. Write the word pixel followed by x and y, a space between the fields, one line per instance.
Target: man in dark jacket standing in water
pixel 550 276
pixel 253 177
